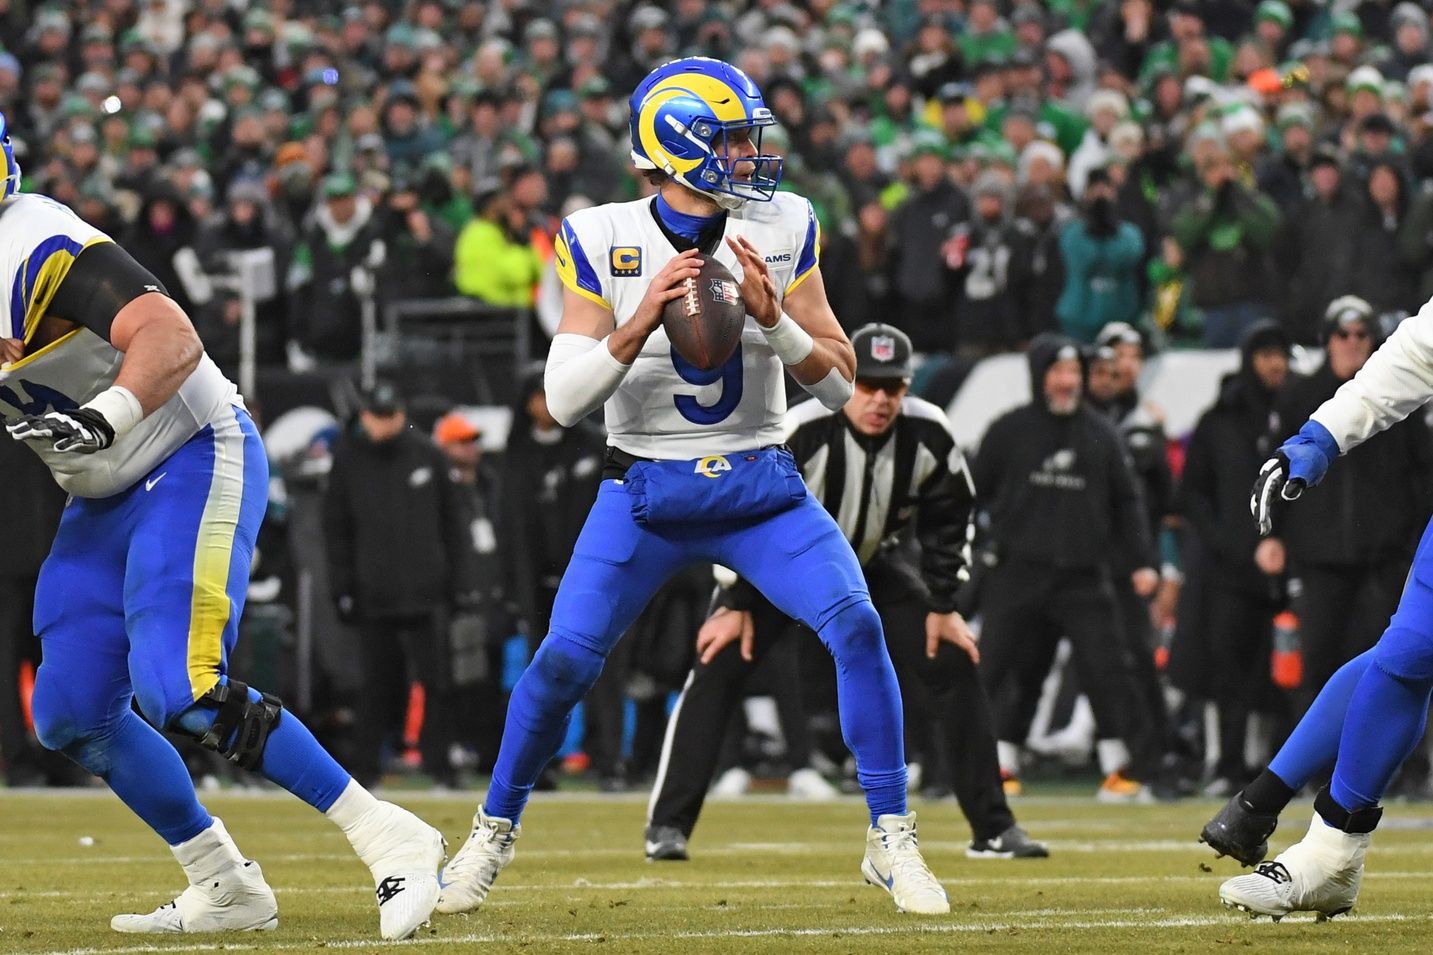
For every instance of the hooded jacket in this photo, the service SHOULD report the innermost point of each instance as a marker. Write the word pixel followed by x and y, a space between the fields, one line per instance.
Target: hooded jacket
pixel 1230 442
pixel 1059 489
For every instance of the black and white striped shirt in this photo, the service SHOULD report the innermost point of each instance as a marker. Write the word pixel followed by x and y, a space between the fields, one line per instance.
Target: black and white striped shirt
pixel 875 488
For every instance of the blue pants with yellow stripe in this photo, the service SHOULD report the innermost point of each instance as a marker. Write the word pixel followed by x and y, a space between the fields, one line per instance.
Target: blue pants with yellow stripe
pixel 140 600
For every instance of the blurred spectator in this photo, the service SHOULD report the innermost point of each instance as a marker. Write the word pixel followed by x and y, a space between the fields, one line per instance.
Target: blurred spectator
pixel 1281 175
pixel 1350 545
pixel 1106 110
pixel 1239 600
pixel 418 246
pixel 1102 258
pixel 1037 266
pixel 245 223
pixel 1318 271
pixel 1225 232
pixel 980 255
pixel 339 244
pixel 494 260
pixel 400 560
pixel 1379 273
pixel 919 229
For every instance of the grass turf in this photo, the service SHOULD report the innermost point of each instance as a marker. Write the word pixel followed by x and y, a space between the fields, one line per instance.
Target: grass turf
pixel 768 876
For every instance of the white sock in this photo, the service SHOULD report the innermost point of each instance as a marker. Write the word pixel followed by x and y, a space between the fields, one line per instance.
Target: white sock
pixel 351 806
pixel 1113 755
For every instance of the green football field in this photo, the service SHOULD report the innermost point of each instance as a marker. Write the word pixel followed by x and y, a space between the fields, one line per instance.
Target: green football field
pixel 768 875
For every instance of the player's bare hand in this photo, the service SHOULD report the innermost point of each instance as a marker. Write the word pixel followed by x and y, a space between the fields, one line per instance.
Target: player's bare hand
pixel 950 628
pixel 757 289
pixel 11 350
pixel 666 286
pixel 723 628
pixel 1144 581
pixel 1269 556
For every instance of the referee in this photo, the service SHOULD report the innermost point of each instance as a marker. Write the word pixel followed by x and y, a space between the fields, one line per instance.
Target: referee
pixel 882 465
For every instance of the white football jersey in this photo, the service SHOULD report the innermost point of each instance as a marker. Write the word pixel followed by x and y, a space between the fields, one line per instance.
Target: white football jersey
pixel 39 241
pixel 666 408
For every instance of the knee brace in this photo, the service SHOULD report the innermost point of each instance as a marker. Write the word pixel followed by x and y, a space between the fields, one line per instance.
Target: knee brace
pixel 241 725
pixel 854 631
pixel 1404 653
pixel 562 672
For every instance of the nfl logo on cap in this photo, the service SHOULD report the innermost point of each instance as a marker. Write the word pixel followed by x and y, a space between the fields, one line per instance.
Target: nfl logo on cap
pixel 883 347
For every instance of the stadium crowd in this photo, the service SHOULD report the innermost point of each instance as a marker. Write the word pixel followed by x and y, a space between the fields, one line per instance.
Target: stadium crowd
pixel 1133 175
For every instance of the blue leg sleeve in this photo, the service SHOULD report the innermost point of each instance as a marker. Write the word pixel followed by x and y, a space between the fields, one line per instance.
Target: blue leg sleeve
pixel 1386 718
pixel 802 563
pixel 616 566
pixel 1389 706
pixel 1313 745
pixel 560 675
pixel 81 708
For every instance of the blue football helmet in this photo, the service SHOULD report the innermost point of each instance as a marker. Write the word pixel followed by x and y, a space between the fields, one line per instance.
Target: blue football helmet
pixel 12 167
pixel 683 114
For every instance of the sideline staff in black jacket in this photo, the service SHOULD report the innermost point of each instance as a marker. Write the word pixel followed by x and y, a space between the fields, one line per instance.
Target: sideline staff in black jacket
pixel 400 559
pixel 1061 499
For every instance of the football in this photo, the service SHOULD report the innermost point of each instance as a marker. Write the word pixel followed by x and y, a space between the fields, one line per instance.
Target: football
pixel 705 324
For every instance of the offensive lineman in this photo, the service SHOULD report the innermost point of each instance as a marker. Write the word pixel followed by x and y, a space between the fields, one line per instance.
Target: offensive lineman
pixel 104 377
pixel 695 472
pixel 1372 711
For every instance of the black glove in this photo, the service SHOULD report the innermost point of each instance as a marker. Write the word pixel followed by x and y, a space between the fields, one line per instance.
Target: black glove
pixel 84 430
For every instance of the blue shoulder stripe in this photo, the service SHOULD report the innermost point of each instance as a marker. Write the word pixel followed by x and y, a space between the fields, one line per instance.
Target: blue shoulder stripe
pixel 806 261
pixel 23 290
pixel 586 275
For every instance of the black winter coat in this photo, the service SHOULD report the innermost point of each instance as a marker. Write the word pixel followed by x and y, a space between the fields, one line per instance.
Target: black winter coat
pixel 1225 452
pixel 396 527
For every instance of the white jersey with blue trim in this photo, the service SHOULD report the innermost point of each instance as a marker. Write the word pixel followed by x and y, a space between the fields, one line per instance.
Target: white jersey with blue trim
pixel 39 242
pixel 665 407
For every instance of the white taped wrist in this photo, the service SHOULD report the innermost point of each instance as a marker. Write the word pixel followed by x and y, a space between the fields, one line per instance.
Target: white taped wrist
pixel 789 340
pixel 833 391
pixel 581 374
pixel 120 408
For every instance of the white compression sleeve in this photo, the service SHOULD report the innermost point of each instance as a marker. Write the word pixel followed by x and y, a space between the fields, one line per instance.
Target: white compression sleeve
pixel 833 391
pixel 581 374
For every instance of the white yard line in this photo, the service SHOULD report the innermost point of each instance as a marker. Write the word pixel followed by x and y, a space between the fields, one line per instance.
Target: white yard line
pixel 920 928
pixel 584 885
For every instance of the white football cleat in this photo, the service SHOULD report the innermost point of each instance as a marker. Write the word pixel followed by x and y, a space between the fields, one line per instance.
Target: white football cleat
pixel 732 783
pixel 227 893
pixel 470 876
pixel 1321 873
pixel 893 862
pixel 404 854
pixel 809 785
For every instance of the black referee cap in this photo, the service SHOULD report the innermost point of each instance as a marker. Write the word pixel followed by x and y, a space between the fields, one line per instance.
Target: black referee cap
pixel 882 351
